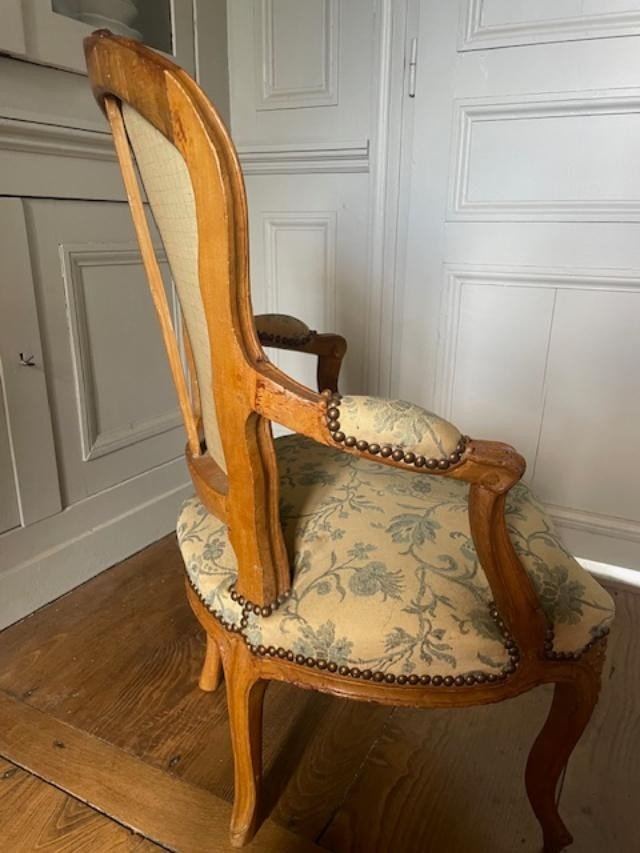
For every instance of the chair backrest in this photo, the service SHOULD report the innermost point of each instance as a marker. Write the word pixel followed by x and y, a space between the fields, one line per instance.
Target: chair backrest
pixel 169 190
pixel 192 179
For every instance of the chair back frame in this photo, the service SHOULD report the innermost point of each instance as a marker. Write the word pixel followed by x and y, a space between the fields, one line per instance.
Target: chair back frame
pixel 246 496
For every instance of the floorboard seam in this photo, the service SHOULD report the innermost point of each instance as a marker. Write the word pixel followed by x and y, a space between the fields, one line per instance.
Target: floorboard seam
pixel 80 799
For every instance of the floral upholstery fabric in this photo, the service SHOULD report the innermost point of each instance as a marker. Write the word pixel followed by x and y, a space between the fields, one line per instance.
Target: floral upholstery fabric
pixel 386 576
pixel 398 423
pixel 281 328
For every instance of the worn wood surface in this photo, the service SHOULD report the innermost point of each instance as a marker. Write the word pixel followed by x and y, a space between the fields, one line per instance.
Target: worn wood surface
pixel 158 806
pixel 103 661
pixel 445 780
pixel 37 816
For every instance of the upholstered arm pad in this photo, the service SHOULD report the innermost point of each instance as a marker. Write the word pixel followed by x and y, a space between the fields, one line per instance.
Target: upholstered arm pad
pixel 285 332
pixel 275 329
pixel 393 428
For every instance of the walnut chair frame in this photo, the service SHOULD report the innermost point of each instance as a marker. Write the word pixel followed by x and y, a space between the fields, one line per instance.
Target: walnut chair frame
pixel 250 393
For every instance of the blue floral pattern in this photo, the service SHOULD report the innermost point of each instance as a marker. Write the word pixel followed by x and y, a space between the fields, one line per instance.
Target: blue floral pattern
pixel 398 423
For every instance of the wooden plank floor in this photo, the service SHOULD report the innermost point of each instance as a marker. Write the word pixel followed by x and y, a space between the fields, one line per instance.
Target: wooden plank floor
pixel 110 671
pixel 37 816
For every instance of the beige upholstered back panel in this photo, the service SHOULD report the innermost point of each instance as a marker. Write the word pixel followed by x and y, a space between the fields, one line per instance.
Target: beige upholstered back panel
pixel 168 187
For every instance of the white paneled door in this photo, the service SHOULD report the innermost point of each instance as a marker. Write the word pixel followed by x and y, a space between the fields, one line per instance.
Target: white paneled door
pixel 518 310
pixel 302 79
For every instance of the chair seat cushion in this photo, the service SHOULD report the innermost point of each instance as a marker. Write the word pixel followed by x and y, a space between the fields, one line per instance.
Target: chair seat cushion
pixel 386 580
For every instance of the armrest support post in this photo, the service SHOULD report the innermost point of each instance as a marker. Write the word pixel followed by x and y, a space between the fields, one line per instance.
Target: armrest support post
pixel 513 592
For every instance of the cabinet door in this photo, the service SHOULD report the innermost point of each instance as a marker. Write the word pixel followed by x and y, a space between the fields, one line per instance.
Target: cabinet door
pixel 51 31
pixel 28 471
pixel 114 410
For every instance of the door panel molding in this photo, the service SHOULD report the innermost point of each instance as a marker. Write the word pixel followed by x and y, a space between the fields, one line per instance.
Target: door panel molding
pixel 306 158
pixel 594 522
pixel 322 223
pixel 96 442
pixel 457 277
pixel 52 140
pixel 474 34
pixel 556 278
pixel 472 114
pixel 321 86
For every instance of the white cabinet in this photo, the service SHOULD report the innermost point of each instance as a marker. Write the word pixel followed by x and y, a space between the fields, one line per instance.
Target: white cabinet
pixel 91 441
pixel 9 507
pixel 30 488
pixel 113 404
pixel 91 445
pixel 51 31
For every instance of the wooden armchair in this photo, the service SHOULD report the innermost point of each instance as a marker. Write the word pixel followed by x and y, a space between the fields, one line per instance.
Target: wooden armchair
pixel 376 553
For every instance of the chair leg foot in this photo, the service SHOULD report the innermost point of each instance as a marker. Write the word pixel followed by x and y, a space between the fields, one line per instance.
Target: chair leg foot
pixel 211 674
pixel 571 709
pixel 245 701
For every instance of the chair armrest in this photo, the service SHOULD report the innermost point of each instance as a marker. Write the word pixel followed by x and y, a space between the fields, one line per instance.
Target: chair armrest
pixel 406 436
pixel 394 428
pixel 282 330
pixel 286 332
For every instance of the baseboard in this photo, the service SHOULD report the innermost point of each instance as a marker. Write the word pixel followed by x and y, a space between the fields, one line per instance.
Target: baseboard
pixel 50 574
pixel 617 576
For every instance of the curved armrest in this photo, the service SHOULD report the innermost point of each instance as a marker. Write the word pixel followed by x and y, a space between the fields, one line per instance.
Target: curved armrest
pixel 286 332
pixel 282 330
pixel 397 429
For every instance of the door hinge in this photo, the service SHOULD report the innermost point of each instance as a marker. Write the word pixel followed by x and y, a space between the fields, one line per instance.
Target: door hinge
pixel 413 62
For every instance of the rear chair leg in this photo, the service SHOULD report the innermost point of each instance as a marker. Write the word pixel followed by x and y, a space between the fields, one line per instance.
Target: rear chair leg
pixel 211 674
pixel 245 697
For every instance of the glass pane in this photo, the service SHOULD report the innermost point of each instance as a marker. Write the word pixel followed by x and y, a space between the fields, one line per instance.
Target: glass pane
pixel 145 20
pixel 154 23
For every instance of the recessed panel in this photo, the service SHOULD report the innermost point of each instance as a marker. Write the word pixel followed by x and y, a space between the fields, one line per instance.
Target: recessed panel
pixel 300 276
pixel 589 455
pixel 297 45
pixel 495 374
pixel 115 415
pixel 124 387
pixel 564 159
pixel 504 23
pixel 9 509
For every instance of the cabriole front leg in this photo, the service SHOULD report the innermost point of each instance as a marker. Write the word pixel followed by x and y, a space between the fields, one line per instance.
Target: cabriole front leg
pixel 573 703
